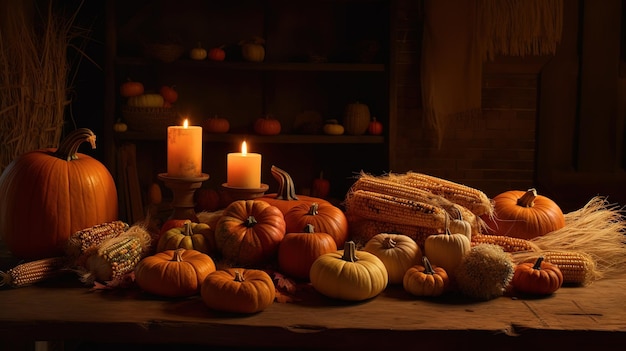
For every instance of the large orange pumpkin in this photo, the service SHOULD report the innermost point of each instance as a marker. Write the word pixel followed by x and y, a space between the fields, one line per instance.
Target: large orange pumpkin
pixel 286 198
pixel 249 231
pixel 49 194
pixel 524 214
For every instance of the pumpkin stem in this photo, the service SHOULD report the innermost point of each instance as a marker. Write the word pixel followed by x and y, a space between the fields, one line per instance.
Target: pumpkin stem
pixel 428 268
pixel 313 209
pixel 250 222
pixel 349 252
pixel 389 243
pixel 309 228
pixel 178 255
pixel 528 199
pixel 286 187
pixel 187 228
pixel 447 224
pixel 537 265
pixel 68 148
pixel 238 276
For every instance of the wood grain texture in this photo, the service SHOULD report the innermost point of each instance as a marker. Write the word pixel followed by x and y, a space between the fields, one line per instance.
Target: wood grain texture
pixel 574 316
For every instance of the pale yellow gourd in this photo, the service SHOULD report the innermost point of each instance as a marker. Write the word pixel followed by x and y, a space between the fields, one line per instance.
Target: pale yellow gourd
pixel 398 253
pixel 349 274
pixel 448 249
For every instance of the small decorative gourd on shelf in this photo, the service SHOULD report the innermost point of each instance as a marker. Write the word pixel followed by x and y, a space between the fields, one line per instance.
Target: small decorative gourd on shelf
pixel 357 118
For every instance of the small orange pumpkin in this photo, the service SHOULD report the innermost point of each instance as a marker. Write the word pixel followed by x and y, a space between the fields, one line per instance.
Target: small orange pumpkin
pixel 524 214
pixel 267 125
pixel 238 290
pixel 299 250
pixel 425 279
pixel 216 124
pixel 174 273
pixel 538 278
pixel 325 217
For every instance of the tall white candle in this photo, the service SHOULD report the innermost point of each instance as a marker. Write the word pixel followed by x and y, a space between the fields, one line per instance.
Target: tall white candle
pixel 184 151
pixel 244 169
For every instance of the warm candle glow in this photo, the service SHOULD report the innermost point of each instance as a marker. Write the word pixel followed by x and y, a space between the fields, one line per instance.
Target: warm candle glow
pixel 184 151
pixel 244 169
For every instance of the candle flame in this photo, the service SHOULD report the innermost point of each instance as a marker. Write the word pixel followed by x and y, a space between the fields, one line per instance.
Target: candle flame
pixel 186 123
pixel 244 148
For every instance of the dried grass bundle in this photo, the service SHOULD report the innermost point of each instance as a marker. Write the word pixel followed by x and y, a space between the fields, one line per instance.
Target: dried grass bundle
pixel 34 72
pixel 598 229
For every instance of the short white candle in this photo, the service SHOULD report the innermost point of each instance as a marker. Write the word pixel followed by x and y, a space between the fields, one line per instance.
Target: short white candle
pixel 184 151
pixel 244 169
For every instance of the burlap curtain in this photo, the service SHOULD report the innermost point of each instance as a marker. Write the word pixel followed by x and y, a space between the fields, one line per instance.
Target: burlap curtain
pixel 459 35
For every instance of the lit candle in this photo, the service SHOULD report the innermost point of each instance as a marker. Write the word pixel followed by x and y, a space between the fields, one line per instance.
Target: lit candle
pixel 244 169
pixel 184 151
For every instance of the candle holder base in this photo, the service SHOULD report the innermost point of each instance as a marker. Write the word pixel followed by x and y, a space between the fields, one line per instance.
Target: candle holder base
pixel 183 190
pixel 235 193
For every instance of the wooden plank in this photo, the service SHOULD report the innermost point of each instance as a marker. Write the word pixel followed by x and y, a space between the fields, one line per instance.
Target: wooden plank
pixel 68 311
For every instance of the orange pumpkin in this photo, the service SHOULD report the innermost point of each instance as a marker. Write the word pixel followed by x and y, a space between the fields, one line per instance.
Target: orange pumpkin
pixel 300 249
pixel 49 194
pixel 538 278
pixel 249 232
pixel 425 280
pixel 524 214
pixel 174 273
pixel 238 290
pixel 131 88
pixel 286 198
pixel 324 217
pixel 216 124
pixel 267 125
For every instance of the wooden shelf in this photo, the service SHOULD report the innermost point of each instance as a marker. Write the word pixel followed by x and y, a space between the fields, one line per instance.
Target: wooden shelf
pixel 260 66
pixel 274 139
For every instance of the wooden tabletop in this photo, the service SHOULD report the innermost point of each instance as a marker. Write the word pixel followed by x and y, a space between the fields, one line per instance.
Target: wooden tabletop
pixel 573 317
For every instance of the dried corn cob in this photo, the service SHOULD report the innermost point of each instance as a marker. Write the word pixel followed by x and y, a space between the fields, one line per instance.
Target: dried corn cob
pixel 32 272
pixel 384 185
pixel 115 259
pixel 117 256
pixel 396 210
pixel 509 244
pixel 81 241
pixel 578 268
pixel 471 198
pixel 362 230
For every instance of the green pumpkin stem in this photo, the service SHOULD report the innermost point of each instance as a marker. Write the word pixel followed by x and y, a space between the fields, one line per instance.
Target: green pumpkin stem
pixel 188 228
pixel 349 252
pixel 250 222
pixel 537 265
pixel 428 268
pixel 286 188
pixel 68 148
pixel 528 199
pixel 238 276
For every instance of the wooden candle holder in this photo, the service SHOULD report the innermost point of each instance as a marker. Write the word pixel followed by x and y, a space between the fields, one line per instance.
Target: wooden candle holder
pixel 183 190
pixel 234 193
